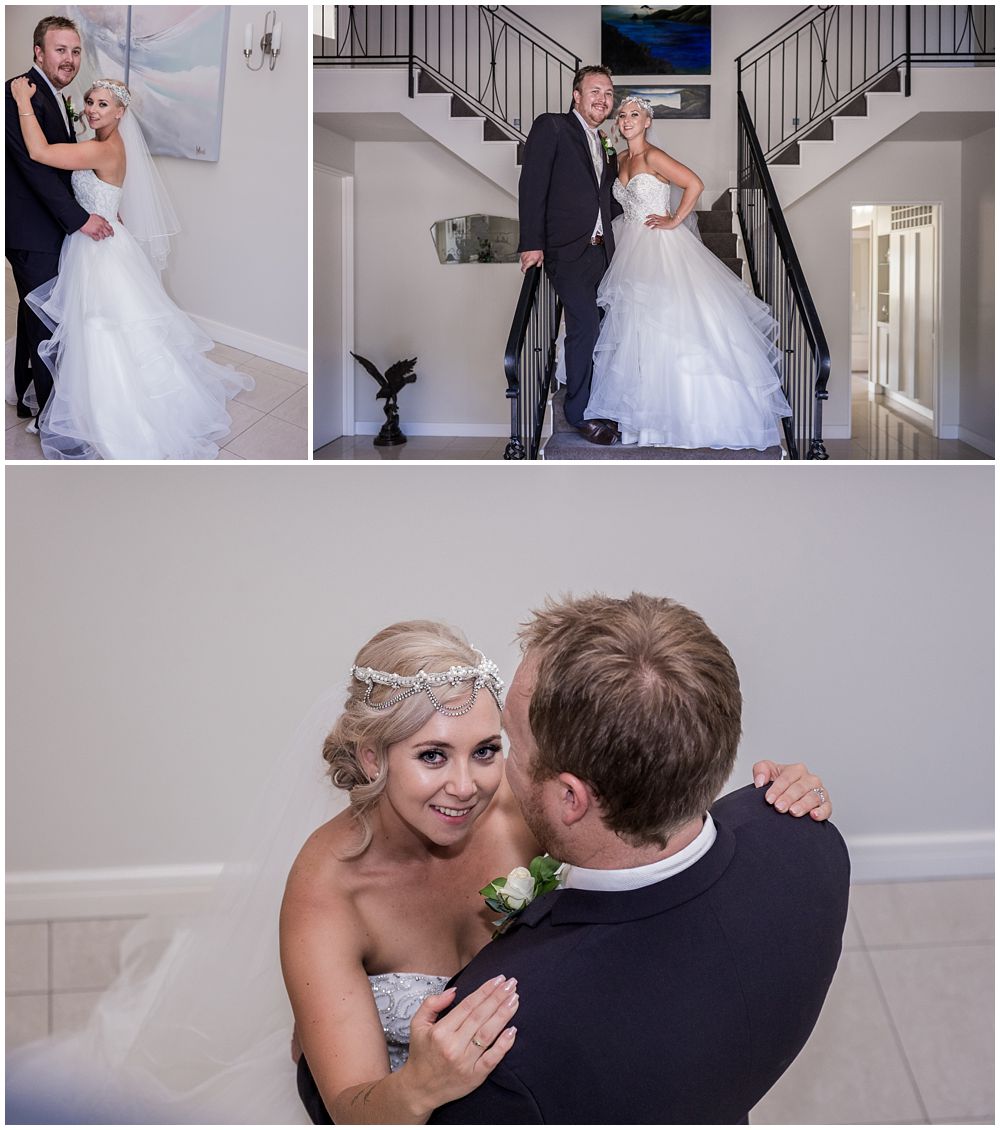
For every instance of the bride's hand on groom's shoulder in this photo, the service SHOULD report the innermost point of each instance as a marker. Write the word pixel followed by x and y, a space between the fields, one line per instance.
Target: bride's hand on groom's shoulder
pixel 22 89
pixel 793 789
pixel 451 1055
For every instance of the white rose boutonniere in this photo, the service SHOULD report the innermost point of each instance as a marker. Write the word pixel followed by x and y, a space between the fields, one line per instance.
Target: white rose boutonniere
pixel 510 894
pixel 609 149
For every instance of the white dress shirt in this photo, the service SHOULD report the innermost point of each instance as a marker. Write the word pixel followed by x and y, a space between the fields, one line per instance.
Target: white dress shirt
pixel 632 878
pixel 597 157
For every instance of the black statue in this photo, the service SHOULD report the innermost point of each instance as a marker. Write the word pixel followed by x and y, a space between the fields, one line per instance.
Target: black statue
pixel 389 387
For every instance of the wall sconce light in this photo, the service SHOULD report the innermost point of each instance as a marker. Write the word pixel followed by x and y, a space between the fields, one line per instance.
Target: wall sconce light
pixel 270 42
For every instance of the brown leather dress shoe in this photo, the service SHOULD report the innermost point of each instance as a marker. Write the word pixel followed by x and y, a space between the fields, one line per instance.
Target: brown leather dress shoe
pixel 598 431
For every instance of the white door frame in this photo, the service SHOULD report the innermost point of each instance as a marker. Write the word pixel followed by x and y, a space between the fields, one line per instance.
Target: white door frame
pixel 346 290
pixel 936 422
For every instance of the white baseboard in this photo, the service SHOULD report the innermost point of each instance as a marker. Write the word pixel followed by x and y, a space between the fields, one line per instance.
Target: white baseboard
pixel 980 443
pixel 108 892
pixel 121 892
pixel 477 431
pixel 277 351
pixel 943 855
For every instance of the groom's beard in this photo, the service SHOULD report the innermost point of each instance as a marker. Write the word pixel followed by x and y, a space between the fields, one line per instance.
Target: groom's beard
pixel 539 825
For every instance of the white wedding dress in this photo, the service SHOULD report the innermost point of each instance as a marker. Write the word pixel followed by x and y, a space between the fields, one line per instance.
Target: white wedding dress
pixel 686 356
pixel 131 379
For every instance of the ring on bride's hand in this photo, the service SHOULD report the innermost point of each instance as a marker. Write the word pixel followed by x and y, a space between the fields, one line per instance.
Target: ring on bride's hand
pixel 477 1042
pixel 821 795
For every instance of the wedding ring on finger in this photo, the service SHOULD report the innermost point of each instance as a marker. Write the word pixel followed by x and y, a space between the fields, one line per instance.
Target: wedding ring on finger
pixel 821 795
pixel 477 1041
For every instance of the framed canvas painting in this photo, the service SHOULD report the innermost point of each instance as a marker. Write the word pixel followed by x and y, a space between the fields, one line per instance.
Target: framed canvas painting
pixel 688 102
pixel 645 40
pixel 173 59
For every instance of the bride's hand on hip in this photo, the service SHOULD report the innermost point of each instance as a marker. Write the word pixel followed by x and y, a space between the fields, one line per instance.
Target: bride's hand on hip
pixel 450 1057
pixel 793 789
pixel 664 223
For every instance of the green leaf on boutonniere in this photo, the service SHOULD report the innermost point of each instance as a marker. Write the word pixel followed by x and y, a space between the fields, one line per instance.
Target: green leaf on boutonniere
pixel 510 894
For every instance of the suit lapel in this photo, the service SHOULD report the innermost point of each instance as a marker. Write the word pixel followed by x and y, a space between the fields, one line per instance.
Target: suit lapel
pixel 43 90
pixel 578 134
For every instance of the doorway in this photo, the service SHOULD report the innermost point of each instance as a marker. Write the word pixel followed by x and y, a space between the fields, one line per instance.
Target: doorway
pixel 333 305
pixel 895 299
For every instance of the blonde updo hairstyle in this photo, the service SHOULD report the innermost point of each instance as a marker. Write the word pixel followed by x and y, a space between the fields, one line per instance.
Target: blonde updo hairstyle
pixel 101 84
pixel 405 649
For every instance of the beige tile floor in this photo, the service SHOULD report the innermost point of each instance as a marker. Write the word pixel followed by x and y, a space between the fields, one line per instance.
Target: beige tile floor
pixel 906 1035
pixel 878 431
pixel 269 422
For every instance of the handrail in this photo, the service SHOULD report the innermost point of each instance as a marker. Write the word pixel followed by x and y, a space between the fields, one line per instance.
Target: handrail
pixel 529 362
pixel 490 57
pixel 778 280
pixel 838 53
pixel 772 34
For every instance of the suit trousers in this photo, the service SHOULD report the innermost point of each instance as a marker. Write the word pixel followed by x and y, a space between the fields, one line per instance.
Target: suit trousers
pixel 576 284
pixel 30 269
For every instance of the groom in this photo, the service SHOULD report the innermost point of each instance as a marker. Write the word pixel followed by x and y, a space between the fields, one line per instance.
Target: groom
pixel 565 209
pixel 683 964
pixel 41 209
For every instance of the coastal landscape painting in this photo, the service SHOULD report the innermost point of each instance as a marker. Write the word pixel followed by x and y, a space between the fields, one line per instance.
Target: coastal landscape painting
pixel 640 39
pixel 694 101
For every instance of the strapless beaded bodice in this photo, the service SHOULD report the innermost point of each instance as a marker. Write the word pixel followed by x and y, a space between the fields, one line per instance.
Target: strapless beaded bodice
pixel 643 195
pixel 397 998
pixel 96 195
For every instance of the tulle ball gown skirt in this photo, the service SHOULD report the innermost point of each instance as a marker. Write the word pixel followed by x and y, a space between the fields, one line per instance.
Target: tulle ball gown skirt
pixel 131 379
pixel 686 355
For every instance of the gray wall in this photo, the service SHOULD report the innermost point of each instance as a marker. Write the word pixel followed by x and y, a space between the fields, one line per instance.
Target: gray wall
pixel 168 626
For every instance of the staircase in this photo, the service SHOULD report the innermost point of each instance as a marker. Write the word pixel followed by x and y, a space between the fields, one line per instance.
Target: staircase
pixel 715 226
pixel 871 117
pixel 471 78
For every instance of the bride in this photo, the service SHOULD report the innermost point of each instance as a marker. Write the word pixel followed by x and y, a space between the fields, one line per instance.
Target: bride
pixel 131 379
pixel 685 356
pixel 380 909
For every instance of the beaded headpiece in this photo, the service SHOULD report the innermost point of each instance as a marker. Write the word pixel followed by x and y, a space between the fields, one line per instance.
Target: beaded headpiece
pixel 642 103
pixel 116 88
pixel 484 674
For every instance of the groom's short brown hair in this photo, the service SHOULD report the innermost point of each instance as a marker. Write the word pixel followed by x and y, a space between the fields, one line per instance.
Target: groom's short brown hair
pixel 596 69
pixel 640 699
pixel 57 23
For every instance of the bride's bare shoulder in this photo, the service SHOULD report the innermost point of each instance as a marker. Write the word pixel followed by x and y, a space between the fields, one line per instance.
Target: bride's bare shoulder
pixel 322 871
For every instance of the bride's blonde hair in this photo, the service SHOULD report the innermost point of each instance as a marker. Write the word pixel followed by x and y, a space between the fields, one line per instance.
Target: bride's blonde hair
pixel 118 90
pixel 404 648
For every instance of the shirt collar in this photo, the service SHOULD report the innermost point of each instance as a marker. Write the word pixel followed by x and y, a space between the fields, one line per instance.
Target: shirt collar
pixel 586 125
pixel 632 878
pixel 48 83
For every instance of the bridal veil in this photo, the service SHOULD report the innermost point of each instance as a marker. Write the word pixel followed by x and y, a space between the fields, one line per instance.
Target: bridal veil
pixel 197 1027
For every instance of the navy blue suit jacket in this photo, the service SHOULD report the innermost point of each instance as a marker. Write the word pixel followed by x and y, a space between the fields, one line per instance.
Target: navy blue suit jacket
pixel 41 208
pixel 681 1002
pixel 558 194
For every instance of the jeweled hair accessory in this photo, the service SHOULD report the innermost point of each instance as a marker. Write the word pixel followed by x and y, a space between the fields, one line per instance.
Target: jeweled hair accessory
pixel 485 674
pixel 642 103
pixel 116 88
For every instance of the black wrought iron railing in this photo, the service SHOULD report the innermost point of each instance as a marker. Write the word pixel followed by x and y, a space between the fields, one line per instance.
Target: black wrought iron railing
pixel 529 362
pixel 494 59
pixel 826 57
pixel 804 357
